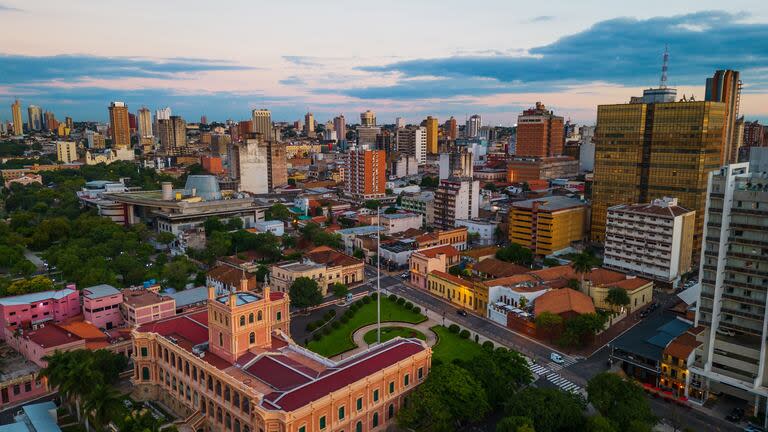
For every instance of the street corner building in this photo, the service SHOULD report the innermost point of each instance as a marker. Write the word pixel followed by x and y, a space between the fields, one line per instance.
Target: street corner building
pixel 233 367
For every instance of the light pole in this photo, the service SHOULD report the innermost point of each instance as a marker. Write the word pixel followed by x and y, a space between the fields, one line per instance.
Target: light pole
pixel 378 275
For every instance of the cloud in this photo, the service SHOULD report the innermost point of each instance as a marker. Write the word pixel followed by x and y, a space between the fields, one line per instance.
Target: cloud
pixel 623 51
pixel 303 60
pixel 293 80
pixel 4 8
pixel 18 69
pixel 541 18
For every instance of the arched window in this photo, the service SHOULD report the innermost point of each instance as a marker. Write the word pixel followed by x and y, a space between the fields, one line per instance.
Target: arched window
pixel 218 414
pixel 252 338
pixel 391 412
pixel 246 428
pixel 210 383
pixel 250 318
pixel 186 367
pixel 173 383
pixel 173 359
pixel 194 373
pixel 375 421
pixel 236 399
pixel 279 315
pixel 165 354
pixel 218 388
pixel 194 398
pixel 226 393
pixel 259 316
pixel 187 392
pixel 246 405
pixel 203 406
pixel 359 427
pixel 242 321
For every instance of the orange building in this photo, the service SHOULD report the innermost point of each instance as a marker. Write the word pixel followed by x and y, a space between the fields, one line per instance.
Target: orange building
pixel 526 169
pixel 212 164
pixel 118 125
pixel 233 368
pixel 540 133
pixel 365 173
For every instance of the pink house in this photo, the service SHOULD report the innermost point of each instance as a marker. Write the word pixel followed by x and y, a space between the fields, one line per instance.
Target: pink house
pixel 18 379
pixel 28 309
pixel 101 306
pixel 141 306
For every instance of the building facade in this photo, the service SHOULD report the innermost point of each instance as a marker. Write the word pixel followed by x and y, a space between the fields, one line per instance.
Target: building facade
pixel 365 173
pixel 725 87
pixel 119 127
pixel 412 141
pixel 101 306
pixel 424 261
pixel 144 119
pixel 173 135
pixel 18 122
pixel 548 224
pixel 521 169
pixel 66 151
pixel 539 133
pixel 432 132
pixel 456 198
pixel 262 123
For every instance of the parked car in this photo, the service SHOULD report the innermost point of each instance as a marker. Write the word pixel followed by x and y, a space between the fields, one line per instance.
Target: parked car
pixel 461 312
pixel 404 275
pixel 753 428
pixel 557 358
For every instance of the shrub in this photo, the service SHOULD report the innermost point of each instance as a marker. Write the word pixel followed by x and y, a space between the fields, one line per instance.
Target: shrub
pixel 317 336
pixel 344 319
pixel 409 305
pixel 464 334
pixel 453 328
pixel 501 349
pixel 393 297
pixel 327 330
pixel 367 299
pixel 359 303
pixel 306 341
pixel 488 345
pixel 311 326
pixel 401 301
pixel 374 295
pixel 417 309
pixel 336 324
pixel 332 312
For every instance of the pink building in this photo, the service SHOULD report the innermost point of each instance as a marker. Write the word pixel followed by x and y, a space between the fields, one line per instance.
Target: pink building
pixel 28 309
pixel 141 306
pixel 18 379
pixel 101 306
pixel 38 343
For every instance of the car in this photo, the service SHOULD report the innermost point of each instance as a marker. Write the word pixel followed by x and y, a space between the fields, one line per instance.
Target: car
pixel 753 428
pixel 404 275
pixel 461 312
pixel 735 415
pixel 557 358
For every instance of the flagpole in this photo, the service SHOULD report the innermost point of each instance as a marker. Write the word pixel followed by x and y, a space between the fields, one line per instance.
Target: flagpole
pixel 378 276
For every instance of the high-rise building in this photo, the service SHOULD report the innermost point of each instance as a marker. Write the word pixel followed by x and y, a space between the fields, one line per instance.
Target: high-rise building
pixel 732 304
pixel 119 126
pixel 34 118
pixel 203 119
pixel 144 118
pixel 18 123
pixel 309 124
pixel 340 126
pixel 472 129
pixel 262 123
pixel 366 136
pixel 68 121
pixel 725 86
pixel 365 173
pixel 66 151
pixel 547 225
pixel 173 135
pixel 51 125
pixel 399 123
pixel 95 140
pixel 539 133
pixel 132 122
pixel 255 156
pixel 412 141
pixel 456 198
pixel 161 114
pixel 368 118
pixel 754 134
pixel 431 124
pixel 646 151
pixel 451 129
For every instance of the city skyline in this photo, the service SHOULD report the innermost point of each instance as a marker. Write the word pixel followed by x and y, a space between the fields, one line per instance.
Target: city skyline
pixel 572 60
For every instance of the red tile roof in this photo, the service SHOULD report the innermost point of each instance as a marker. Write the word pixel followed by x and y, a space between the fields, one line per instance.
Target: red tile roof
pixel 275 372
pixel 331 257
pixel 564 300
pixel 51 336
pixel 497 268
pixel 447 250
pixel 188 327
pixel 449 277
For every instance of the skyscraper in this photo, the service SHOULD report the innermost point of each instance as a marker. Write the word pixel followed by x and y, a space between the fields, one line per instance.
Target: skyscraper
pixel 539 133
pixel 725 86
pixel 754 134
pixel 51 125
pixel 365 173
pixel 412 141
pixel 144 118
pixel 309 124
pixel 262 123
pixel 35 118
pixel 399 123
pixel 68 121
pixel 472 129
pixel 255 157
pixel 340 126
pixel 451 129
pixel 173 135
pixel 646 151
pixel 119 126
pixel 456 198
pixel 368 118
pixel 431 124
pixel 18 123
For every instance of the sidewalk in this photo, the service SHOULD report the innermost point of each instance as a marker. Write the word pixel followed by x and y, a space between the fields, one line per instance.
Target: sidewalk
pixel 357 336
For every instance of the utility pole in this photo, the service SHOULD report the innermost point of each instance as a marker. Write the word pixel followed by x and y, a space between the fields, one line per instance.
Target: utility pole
pixel 378 274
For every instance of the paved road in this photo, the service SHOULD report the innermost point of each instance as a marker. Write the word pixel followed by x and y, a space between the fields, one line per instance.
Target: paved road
pixel 34 259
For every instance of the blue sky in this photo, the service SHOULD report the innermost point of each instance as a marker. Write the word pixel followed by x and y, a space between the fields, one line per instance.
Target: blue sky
pixel 405 58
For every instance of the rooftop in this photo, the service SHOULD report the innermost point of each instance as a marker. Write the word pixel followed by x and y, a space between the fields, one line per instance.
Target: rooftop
pixel 331 257
pixel 659 208
pixel 243 298
pixel 141 297
pixel 564 300
pixel 551 203
pixel 361 230
pixel 400 215
pixel 399 246
pixel 35 297
pixel 190 296
pixel 99 291
pixel 649 338
pixel 14 365
pixel 497 268
pixel 447 250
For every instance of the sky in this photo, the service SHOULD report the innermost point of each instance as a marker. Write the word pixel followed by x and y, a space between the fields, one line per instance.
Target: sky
pixel 404 59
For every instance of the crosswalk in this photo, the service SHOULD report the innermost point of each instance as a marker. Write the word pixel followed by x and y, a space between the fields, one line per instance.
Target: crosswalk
pixel 548 370
pixel 563 383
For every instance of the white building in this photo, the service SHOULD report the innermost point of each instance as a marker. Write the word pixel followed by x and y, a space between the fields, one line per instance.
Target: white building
pixel 405 166
pixel 456 198
pixel 397 254
pixel 650 240
pixel 504 300
pixel 250 165
pixel 276 227
pixel 108 156
pixel 66 151
pixel 586 149
pixel 412 141
pixel 472 129
pixel 399 222
pixel 484 228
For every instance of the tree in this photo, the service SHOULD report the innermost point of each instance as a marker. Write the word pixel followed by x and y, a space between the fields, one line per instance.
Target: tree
pixel 176 273
pixel 515 424
pixel 165 238
pixel 102 403
pixel 449 398
pixel 219 244
pixel 552 410
pixel 430 182
pixel 213 224
pixel 620 401
pixel 304 293
pixel 490 186
pixel 390 210
pixel 579 329
pixel 372 204
pixel 501 374
pixel 516 254
pixel 278 211
pixel 598 423
pixel 582 264
pixel 27 286
pixel 548 322
pixel 234 224
pixel 358 253
pixel 340 290
pixel 617 297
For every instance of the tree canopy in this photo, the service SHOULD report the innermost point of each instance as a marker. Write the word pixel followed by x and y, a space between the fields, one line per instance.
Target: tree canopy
pixel 516 254
pixel 551 410
pixel 621 402
pixel 304 292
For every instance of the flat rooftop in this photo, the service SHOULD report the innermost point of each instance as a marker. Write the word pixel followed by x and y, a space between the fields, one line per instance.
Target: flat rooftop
pixel 550 203
pixel 13 365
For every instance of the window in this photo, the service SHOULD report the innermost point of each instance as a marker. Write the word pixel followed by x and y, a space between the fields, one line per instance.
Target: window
pixel 359 404
pixel 252 338
pixel 242 321
pixel 303 429
pixel 341 413
pixel 322 422
pixel 421 373
pixel 376 395
pixel 391 387
pixel 221 339
pixel 144 351
pixel 261 317
pixel 145 373
pixel 279 315
pixel 359 427
pixel 375 421
pixel 391 411
pixel 406 380
pixel 250 318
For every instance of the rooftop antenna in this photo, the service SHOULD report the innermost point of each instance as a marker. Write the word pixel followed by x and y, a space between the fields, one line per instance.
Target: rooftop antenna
pixel 664 65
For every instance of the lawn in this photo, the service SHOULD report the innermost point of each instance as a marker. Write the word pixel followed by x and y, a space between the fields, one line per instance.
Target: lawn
pixel 340 339
pixel 450 346
pixel 388 333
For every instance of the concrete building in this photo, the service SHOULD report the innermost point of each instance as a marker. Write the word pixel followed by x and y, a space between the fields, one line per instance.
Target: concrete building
pixel 547 225
pixel 539 133
pixel 275 227
pixel 34 118
pixel 651 240
pixel 259 165
pixel 95 140
pixel 246 374
pixel 18 122
pixel 395 255
pixel 101 306
pixel 456 198
pixel 173 135
pixel 732 305
pixel 462 293
pixel 725 87
pixel 404 166
pixel 368 119
pixel 66 151
pixel 141 306
pixel 526 169
pixel 586 149
pixel 398 222
pixel 424 261
pixel 366 137
pixel 412 141
pixel 755 134
pixel 340 126
pixel 472 128
pixel 262 123
pixel 365 173
pixel 144 119
pixel 49 121
pixel 451 129
pixel 32 309
pixel 422 203
pixel 484 229
pixel 309 124
pixel 432 132
pixel 119 127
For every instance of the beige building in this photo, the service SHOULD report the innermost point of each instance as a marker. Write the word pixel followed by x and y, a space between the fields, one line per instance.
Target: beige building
pixel 173 135
pixel 119 126
pixel 424 261
pixel 368 118
pixel 144 120
pixel 66 151
pixel 18 123
pixel 651 240
pixel 432 131
pixel 259 165
pixel 262 123
pixel 323 265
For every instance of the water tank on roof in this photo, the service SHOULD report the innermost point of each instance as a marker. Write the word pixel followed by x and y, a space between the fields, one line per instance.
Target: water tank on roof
pixel 204 186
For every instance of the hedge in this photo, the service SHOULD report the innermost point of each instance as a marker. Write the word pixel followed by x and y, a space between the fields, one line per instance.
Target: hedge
pixel 464 334
pixel 453 328
pixel 488 345
pixel 417 310
pixel 409 305
pixel 393 297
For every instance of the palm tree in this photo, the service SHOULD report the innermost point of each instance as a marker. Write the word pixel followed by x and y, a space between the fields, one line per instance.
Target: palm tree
pixel 73 374
pixel 582 264
pixel 102 404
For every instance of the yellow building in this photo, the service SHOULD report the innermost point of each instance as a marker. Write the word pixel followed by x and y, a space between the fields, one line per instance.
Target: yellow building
pixel 646 151
pixel 66 151
pixel 323 265
pixel 547 225
pixel 677 356
pixel 18 123
pixel 599 282
pixel 463 293
pixel 432 135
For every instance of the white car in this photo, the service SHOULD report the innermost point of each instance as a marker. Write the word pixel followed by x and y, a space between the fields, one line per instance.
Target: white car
pixel 557 358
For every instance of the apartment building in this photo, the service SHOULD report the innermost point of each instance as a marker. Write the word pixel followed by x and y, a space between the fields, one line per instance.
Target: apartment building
pixel 101 306
pixel 422 203
pixel 547 225
pixel 35 308
pixel 456 198
pixel 652 240
pixel 365 173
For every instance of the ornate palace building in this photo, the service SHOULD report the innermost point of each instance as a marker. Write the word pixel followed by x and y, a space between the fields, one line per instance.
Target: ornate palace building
pixel 234 368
